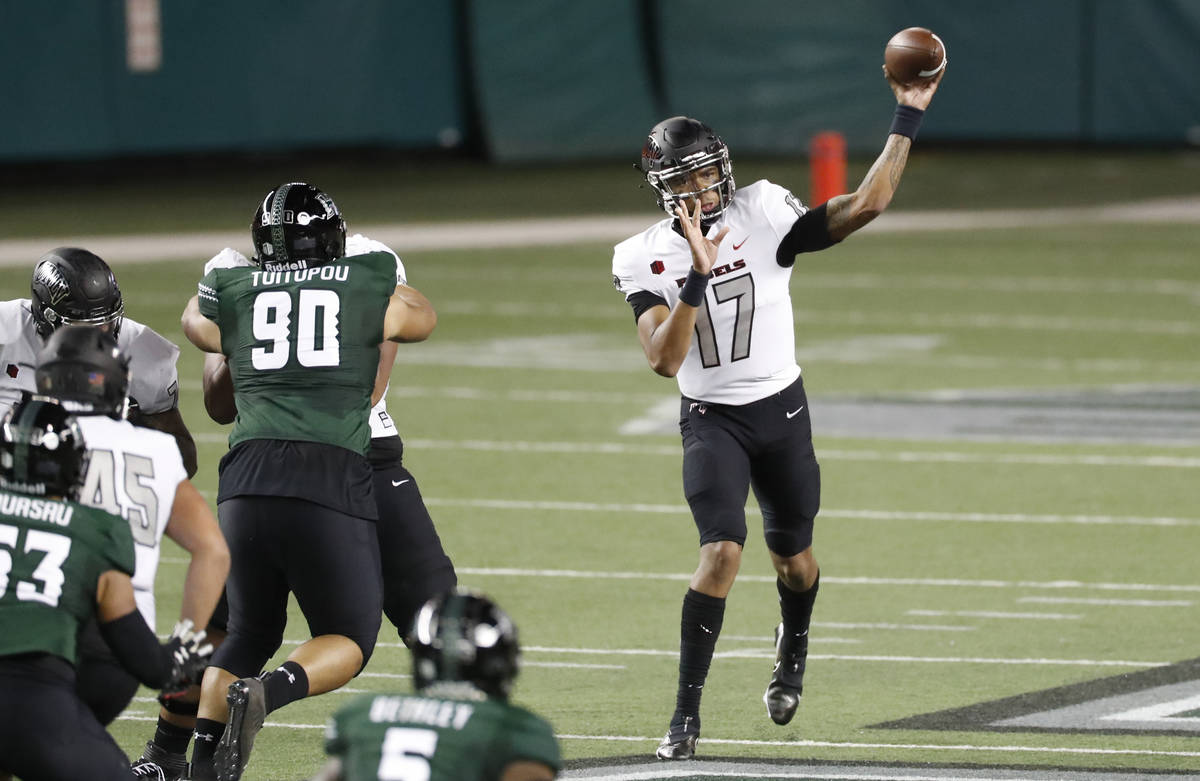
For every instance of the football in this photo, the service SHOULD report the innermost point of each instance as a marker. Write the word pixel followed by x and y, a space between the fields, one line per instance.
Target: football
pixel 914 55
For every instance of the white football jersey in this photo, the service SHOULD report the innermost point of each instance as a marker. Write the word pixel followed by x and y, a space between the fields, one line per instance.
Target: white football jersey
pixel 380 421
pixel 153 378
pixel 133 472
pixel 744 345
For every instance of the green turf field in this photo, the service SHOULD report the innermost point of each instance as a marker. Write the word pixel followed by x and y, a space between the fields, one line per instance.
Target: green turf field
pixel 956 571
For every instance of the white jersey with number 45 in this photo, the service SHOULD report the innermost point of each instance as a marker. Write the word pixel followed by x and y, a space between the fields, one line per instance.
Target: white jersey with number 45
pixel 133 472
pixel 744 345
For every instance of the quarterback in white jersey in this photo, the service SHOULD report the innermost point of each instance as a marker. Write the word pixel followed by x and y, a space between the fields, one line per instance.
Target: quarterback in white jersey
pixel 745 348
pixel 136 473
pixel 72 286
pixel 709 291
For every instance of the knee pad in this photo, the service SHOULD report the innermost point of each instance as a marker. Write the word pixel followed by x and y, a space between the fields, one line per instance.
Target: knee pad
pixel 179 708
pixel 245 655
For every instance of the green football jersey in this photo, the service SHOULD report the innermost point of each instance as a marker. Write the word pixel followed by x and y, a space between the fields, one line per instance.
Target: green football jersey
pixel 397 737
pixel 302 346
pixel 52 552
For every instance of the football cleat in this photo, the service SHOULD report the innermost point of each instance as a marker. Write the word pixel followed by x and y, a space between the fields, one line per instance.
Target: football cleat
pixel 787 681
pixel 680 740
pixel 247 712
pixel 158 764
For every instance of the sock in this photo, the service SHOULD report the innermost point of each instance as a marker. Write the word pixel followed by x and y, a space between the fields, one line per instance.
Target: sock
pixel 796 606
pixel 171 737
pixel 286 683
pixel 699 628
pixel 207 736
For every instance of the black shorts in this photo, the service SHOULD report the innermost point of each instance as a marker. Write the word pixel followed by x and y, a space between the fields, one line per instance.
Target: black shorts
pixel 415 566
pixel 767 445
pixel 282 545
pixel 46 731
pixel 101 681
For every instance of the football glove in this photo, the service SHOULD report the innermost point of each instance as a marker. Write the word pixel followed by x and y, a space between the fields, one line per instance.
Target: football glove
pixel 189 656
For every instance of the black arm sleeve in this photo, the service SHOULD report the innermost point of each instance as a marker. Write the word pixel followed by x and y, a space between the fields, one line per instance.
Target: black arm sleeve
pixel 808 234
pixel 643 300
pixel 137 649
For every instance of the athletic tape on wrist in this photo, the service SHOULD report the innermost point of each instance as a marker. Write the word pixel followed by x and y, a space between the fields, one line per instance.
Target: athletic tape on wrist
pixel 692 292
pixel 906 121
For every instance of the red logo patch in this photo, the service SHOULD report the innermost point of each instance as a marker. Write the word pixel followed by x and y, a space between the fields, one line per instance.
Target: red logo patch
pixel 12 370
pixel 658 267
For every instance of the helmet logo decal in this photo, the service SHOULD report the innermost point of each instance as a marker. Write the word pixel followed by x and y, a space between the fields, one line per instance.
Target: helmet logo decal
pixel 278 238
pixel 56 286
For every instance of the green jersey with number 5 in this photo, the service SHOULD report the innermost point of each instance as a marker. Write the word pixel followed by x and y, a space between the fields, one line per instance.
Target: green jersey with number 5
pixel 52 553
pixel 302 346
pixel 401 737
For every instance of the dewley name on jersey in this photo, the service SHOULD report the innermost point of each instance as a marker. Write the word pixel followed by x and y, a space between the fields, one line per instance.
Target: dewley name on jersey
pixel 283 277
pixel 48 510
pixel 420 710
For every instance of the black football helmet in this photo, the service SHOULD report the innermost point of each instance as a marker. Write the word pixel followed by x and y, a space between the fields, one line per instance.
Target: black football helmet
pixel 42 451
pixel 72 286
pixel 297 223
pixel 85 371
pixel 464 637
pixel 674 149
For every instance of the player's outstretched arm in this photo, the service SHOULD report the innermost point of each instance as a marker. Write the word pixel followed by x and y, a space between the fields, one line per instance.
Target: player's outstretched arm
pixel 126 632
pixel 217 385
pixel 847 213
pixel 666 334
pixel 193 527
pixel 383 372
pixel 410 317
pixel 198 329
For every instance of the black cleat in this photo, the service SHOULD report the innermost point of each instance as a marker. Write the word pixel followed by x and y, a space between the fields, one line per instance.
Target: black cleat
pixel 680 741
pixel 156 763
pixel 787 682
pixel 247 712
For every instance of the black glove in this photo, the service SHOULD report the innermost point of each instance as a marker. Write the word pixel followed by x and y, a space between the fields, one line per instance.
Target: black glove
pixel 189 656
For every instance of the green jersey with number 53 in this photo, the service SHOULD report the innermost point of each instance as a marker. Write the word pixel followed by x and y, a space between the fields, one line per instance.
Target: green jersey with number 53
pixel 401 737
pixel 52 553
pixel 302 345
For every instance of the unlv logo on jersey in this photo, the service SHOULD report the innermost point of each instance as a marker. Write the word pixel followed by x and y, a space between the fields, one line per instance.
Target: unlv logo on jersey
pixel 658 267
pixel 56 287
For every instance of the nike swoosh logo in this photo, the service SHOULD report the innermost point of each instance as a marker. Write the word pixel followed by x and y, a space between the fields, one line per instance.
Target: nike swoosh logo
pixel 740 243
pixel 791 415
pixel 398 482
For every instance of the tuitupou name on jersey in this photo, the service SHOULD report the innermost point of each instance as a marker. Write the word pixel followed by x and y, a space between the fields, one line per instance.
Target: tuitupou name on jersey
pixel 48 510
pixel 420 710
pixel 324 273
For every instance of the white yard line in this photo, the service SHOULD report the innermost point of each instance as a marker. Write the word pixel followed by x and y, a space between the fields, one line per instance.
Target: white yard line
pixel 861 580
pixel 969 747
pixel 1107 602
pixel 415 237
pixel 996 614
pixel 867 515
